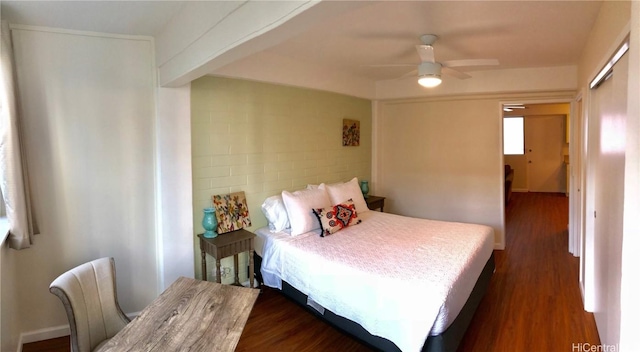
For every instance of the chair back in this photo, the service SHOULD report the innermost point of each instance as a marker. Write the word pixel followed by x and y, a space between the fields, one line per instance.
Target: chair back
pixel 88 293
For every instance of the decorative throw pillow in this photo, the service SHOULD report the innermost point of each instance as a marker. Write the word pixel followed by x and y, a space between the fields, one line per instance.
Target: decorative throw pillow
pixel 337 217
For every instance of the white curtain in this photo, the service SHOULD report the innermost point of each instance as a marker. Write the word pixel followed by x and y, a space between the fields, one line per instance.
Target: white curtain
pixel 13 171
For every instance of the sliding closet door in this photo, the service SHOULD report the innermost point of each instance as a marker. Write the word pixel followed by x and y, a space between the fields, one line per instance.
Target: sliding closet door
pixel 605 200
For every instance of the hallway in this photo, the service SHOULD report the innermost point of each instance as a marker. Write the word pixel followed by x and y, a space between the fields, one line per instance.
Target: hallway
pixel 534 301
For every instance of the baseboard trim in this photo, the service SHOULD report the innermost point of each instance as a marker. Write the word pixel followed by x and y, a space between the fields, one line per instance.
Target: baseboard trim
pixel 52 333
pixel 520 190
pixel 42 334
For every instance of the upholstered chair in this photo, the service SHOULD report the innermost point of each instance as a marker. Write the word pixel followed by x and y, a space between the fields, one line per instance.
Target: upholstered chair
pixel 88 293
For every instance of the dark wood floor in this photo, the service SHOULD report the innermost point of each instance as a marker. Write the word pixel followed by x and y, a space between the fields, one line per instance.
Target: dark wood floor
pixel 533 302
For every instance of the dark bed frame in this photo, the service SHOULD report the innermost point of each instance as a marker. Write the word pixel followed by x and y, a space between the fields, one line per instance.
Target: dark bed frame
pixel 446 341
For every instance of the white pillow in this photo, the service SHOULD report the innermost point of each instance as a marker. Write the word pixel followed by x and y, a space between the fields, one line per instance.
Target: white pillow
pixel 276 213
pixel 300 205
pixel 342 192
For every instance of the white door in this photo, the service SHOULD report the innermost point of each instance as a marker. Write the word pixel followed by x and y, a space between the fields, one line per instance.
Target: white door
pixel 544 139
pixel 607 153
pixel 575 183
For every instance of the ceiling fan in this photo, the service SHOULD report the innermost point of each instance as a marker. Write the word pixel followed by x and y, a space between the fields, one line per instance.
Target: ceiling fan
pixel 511 107
pixel 430 71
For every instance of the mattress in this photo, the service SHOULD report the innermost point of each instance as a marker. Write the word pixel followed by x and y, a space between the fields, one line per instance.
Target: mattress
pixel 400 278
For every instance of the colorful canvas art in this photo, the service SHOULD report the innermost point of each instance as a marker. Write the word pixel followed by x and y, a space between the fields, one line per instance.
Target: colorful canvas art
pixel 350 133
pixel 232 212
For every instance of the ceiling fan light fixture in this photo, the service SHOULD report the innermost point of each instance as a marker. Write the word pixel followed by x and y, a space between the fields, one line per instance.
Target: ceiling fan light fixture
pixel 429 81
pixel 429 74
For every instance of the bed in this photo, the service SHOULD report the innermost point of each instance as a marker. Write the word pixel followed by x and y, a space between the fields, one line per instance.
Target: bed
pixel 396 283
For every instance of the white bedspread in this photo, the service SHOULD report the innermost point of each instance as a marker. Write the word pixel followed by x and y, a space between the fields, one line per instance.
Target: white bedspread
pixel 391 274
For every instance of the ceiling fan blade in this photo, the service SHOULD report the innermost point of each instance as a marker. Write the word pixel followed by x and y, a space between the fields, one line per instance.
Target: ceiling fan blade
pixel 457 74
pixel 471 62
pixel 412 73
pixel 389 65
pixel 426 53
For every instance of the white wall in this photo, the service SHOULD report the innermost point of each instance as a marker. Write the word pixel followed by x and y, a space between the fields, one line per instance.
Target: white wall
pixel 441 157
pixel 442 160
pixel 8 312
pixel 88 107
pixel 612 21
pixel 175 241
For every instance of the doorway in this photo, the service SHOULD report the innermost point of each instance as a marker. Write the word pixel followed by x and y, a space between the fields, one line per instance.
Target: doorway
pixel 542 165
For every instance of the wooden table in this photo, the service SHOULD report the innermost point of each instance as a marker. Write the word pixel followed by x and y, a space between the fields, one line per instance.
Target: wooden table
pixel 375 202
pixel 226 245
pixel 190 315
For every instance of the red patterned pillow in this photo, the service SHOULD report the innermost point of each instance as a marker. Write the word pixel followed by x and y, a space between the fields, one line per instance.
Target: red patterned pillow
pixel 337 217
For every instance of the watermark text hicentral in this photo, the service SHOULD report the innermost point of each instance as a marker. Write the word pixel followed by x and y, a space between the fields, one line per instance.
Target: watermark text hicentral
pixel 589 347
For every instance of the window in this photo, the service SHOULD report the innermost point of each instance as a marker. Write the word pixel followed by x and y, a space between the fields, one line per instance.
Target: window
pixel 513 135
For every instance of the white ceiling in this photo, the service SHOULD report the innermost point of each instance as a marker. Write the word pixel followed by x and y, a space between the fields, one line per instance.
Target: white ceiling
pixel 517 33
pixel 119 17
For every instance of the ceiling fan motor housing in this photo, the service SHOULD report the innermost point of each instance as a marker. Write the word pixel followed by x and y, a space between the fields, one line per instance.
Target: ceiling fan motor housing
pixel 428 39
pixel 429 69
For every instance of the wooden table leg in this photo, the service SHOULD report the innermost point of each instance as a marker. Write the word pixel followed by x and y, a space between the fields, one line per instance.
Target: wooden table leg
pixel 204 265
pixel 235 268
pixel 251 268
pixel 218 276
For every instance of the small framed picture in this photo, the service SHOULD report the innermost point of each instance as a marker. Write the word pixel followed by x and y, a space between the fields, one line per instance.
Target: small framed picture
pixel 350 133
pixel 232 212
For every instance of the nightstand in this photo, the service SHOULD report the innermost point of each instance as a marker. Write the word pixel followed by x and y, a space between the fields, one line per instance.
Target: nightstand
pixel 375 202
pixel 226 245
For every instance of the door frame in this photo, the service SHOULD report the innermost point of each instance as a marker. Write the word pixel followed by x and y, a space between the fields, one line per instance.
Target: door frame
pixel 576 180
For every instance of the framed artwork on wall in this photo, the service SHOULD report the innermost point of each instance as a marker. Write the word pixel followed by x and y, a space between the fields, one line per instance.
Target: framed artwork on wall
pixel 350 133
